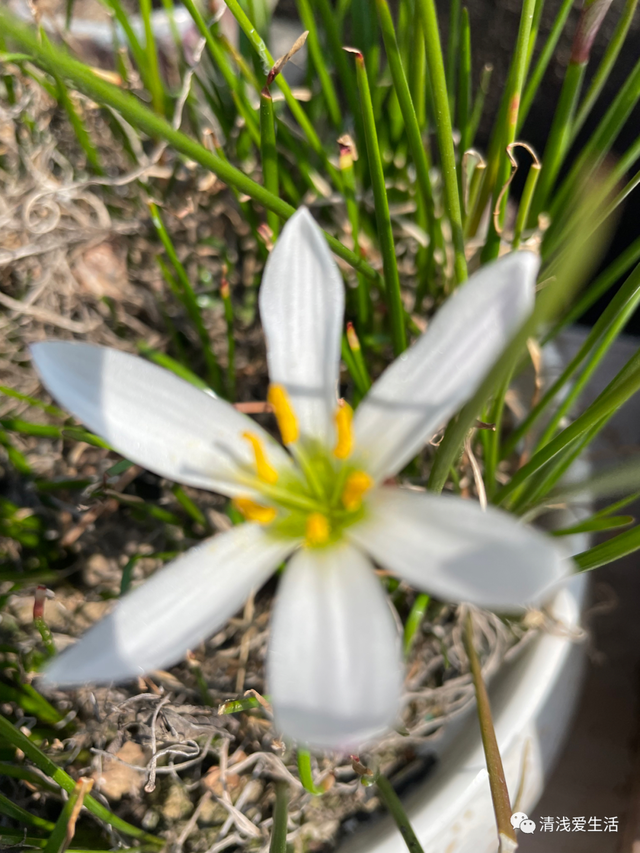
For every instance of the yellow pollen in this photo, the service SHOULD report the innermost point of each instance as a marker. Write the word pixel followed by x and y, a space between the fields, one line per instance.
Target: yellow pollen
pixel 266 472
pixel 344 443
pixel 317 529
pixel 358 483
pixel 253 511
pixel 283 410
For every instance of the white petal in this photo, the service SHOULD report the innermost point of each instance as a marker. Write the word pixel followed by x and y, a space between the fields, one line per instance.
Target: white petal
pixel 151 416
pixel 302 307
pixel 333 667
pixel 175 610
pixel 451 548
pixel 426 385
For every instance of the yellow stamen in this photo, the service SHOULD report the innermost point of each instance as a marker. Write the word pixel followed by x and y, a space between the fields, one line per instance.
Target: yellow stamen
pixel 358 483
pixel 283 410
pixel 344 443
pixel 317 529
pixel 266 472
pixel 253 511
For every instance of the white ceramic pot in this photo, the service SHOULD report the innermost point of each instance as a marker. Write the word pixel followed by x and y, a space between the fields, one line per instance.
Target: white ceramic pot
pixel 533 699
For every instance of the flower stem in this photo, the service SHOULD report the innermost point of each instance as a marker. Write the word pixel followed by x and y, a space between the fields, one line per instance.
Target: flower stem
pixel 280 814
pixel 497 782
pixel 444 131
pixel 397 812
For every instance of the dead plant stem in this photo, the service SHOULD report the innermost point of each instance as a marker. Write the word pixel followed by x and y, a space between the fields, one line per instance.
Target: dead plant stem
pixel 497 782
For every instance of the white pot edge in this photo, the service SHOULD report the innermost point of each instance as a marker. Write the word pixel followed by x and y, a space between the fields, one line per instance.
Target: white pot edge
pixel 532 699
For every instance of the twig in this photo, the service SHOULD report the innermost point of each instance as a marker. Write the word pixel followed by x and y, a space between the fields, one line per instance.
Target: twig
pixel 499 792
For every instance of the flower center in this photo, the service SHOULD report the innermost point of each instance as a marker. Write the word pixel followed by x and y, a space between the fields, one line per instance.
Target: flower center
pixel 322 495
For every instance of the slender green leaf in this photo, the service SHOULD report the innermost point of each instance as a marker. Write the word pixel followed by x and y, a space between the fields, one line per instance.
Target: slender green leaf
pixel 513 95
pixel 444 132
pixel 64 830
pixel 164 360
pixel 317 57
pixel 596 524
pixel 546 53
pixel 151 56
pixel 626 384
pixel 383 217
pixel 615 548
pixel 559 137
pixel 269 155
pixel 605 331
pixel 607 62
pixel 47 766
pixel 414 620
pixel 15 812
pixel 280 815
pixel 600 142
pixel 267 63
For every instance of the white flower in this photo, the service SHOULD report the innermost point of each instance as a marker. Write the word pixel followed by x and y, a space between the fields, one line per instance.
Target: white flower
pixel 334 665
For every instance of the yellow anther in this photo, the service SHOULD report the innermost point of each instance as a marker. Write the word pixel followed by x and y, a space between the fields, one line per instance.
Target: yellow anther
pixel 266 472
pixel 317 529
pixel 253 511
pixel 344 443
pixel 358 483
pixel 283 410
